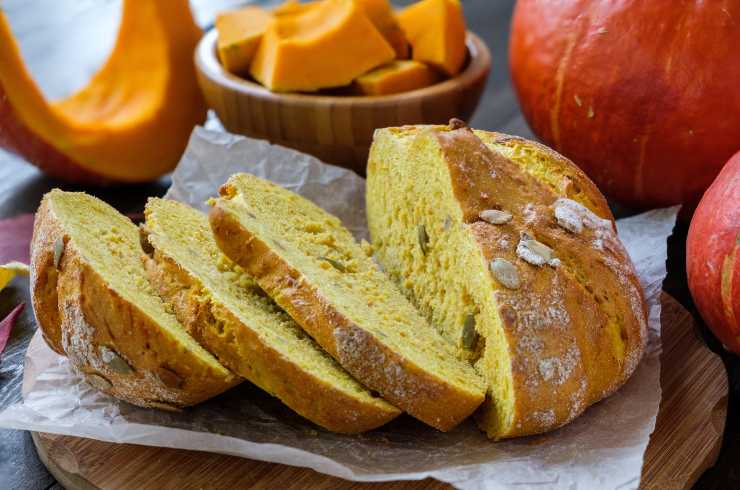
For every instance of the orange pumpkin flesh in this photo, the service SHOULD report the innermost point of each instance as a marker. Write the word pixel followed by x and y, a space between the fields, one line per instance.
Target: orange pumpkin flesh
pixel 379 12
pixel 239 34
pixel 396 77
pixel 131 122
pixel 643 95
pixel 436 31
pixel 291 7
pixel 381 15
pixel 325 46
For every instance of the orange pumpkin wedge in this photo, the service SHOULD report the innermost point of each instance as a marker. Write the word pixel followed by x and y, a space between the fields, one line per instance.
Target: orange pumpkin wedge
pixel 381 15
pixel 131 122
pixel 239 34
pixel 436 31
pixel 327 46
pixel 398 76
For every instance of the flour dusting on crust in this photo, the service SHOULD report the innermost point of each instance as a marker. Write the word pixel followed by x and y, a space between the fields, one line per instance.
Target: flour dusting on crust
pixel 573 216
pixel 355 346
pixel 78 340
pixel 559 369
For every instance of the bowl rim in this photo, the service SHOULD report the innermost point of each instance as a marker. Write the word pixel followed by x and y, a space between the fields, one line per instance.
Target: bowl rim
pixel 207 63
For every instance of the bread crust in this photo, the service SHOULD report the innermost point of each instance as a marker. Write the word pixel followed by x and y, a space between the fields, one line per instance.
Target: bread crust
pixel 396 378
pixel 44 277
pixel 563 360
pixel 115 345
pixel 241 349
pixel 575 180
pixel 573 330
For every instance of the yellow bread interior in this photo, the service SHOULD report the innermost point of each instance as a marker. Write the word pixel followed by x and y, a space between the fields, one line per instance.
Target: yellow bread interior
pixel 410 186
pixel 316 244
pixel 109 242
pixel 183 234
pixel 417 193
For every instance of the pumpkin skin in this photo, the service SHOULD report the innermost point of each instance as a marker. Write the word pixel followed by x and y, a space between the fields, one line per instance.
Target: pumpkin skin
pixel 16 138
pixel 643 95
pixel 713 255
pixel 131 122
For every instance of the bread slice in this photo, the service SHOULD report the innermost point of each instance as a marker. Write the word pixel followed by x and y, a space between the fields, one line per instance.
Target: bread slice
pixel 313 268
pixel 93 302
pixel 523 270
pixel 225 310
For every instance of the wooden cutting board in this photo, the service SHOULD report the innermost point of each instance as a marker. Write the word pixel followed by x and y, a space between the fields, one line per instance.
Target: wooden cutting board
pixel 686 441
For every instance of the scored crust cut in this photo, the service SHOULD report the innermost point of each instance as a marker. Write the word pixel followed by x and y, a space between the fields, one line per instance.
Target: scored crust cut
pixel 520 267
pixel 314 269
pixel 225 310
pixel 93 303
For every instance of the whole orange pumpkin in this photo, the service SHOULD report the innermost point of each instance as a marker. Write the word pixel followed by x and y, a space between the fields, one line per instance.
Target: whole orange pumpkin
pixel 713 255
pixel 643 95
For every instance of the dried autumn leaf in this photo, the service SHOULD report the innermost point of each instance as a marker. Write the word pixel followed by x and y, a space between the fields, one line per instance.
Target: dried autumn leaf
pixel 7 324
pixel 9 271
pixel 15 235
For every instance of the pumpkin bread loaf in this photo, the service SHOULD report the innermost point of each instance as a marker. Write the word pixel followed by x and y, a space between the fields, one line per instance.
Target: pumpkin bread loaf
pixel 94 304
pixel 511 252
pixel 225 310
pixel 313 268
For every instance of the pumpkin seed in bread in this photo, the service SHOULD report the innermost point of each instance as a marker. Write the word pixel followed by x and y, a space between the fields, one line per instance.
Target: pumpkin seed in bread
pixel 93 302
pixel 312 267
pixel 520 267
pixel 225 310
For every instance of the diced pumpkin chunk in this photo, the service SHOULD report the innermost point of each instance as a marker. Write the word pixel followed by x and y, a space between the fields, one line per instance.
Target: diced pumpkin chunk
pixel 326 46
pixel 381 15
pixel 291 7
pixel 436 31
pixel 239 34
pixel 395 77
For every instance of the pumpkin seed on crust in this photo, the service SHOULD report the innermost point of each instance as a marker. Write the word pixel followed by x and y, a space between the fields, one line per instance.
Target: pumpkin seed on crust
pixel 58 250
pixel 506 273
pixel 98 381
pixel 114 361
pixel 469 333
pixel 421 233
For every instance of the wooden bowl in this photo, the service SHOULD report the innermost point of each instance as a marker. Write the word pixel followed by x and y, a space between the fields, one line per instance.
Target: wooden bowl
pixel 337 129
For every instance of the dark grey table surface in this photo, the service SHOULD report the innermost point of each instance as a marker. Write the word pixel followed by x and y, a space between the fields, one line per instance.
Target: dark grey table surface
pixel 64 41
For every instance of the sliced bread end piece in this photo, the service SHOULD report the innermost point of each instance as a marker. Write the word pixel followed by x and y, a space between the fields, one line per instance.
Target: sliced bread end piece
pixel 225 310
pixel 523 270
pixel 94 305
pixel 312 267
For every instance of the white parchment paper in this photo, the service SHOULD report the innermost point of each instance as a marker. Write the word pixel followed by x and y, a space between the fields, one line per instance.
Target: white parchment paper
pixel 602 449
